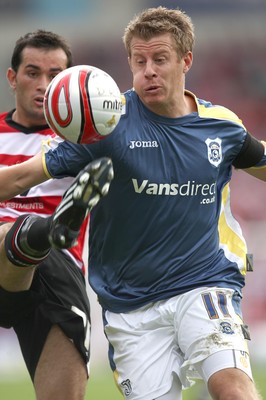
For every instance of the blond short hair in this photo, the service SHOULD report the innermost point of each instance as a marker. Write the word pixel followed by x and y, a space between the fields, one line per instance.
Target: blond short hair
pixel 159 20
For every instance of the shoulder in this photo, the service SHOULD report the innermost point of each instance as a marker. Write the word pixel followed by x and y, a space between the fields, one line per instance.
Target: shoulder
pixel 207 109
pixel 129 98
pixel 3 117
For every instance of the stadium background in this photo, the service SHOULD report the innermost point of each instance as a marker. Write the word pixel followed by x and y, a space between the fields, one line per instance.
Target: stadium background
pixel 229 69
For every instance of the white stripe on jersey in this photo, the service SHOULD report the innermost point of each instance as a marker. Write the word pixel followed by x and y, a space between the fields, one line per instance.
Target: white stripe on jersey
pixel 17 146
pixel 26 144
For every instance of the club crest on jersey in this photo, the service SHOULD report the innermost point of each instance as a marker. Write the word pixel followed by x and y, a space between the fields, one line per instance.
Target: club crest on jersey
pixel 226 328
pixel 214 147
pixel 126 385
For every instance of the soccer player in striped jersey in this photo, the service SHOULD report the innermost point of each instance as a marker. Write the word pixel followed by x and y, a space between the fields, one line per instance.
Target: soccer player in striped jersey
pixel 167 258
pixel 47 306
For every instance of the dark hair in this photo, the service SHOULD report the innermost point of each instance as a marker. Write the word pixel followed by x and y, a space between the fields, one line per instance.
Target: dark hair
pixel 40 39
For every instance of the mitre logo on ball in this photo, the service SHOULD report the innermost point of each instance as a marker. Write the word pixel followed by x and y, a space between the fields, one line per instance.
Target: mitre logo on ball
pixel 83 104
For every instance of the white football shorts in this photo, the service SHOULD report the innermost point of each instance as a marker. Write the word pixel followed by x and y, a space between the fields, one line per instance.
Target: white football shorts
pixel 192 335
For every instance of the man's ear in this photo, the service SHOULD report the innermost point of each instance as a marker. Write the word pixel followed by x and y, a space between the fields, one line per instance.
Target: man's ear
pixel 188 60
pixel 11 77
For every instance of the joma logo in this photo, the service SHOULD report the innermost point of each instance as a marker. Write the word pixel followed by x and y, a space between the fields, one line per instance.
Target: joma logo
pixel 143 143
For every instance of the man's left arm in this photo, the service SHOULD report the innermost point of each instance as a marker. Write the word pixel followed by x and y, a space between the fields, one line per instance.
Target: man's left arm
pixel 20 177
pixel 252 158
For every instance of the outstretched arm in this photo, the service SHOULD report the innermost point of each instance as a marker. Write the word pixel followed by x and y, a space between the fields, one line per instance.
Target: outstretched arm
pixel 259 173
pixel 20 177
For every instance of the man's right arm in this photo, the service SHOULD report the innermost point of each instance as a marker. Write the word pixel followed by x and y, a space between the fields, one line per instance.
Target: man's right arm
pixel 20 177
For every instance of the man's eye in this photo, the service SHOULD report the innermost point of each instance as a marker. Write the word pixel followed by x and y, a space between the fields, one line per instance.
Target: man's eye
pixel 32 74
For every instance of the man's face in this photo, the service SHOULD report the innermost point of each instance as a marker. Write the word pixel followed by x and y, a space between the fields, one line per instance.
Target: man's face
pixel 37 69
pixel 158 72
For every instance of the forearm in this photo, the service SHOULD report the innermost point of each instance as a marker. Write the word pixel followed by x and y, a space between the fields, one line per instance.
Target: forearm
pixel 20 177
pixel 259 173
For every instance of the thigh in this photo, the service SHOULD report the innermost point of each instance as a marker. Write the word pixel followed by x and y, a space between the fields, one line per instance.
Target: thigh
pixel 61 372
pixel 221 360
pixel 232 383
pixel 15 307
pixel 211 322
pixel 143 354
pixel 65 303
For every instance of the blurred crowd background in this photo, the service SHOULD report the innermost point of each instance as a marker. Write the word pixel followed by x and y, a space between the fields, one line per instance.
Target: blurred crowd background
pixel 229 69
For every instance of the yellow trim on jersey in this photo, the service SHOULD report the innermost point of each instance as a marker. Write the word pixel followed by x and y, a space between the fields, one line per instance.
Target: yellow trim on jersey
pixel 230 234
pixel 123 98
pixel 218 112
pixel 44 165
pixel 256 168
pixel 215 111
pixel 116 376
pixel 48 144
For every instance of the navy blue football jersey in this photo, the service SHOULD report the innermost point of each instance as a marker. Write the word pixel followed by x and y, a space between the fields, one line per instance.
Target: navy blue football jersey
pixel 165 226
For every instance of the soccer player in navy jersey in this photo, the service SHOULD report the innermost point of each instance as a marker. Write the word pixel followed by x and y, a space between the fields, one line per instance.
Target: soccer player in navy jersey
pixel 48 306
pixel 167 258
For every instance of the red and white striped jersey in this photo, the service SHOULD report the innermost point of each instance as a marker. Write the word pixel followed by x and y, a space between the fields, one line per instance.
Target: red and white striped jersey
pixel 18 144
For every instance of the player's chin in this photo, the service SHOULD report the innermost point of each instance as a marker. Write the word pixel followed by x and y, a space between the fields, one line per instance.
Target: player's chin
pixel 38 116
pixel 152 99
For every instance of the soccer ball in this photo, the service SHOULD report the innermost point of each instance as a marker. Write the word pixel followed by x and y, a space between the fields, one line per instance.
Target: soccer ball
pixel 82 104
